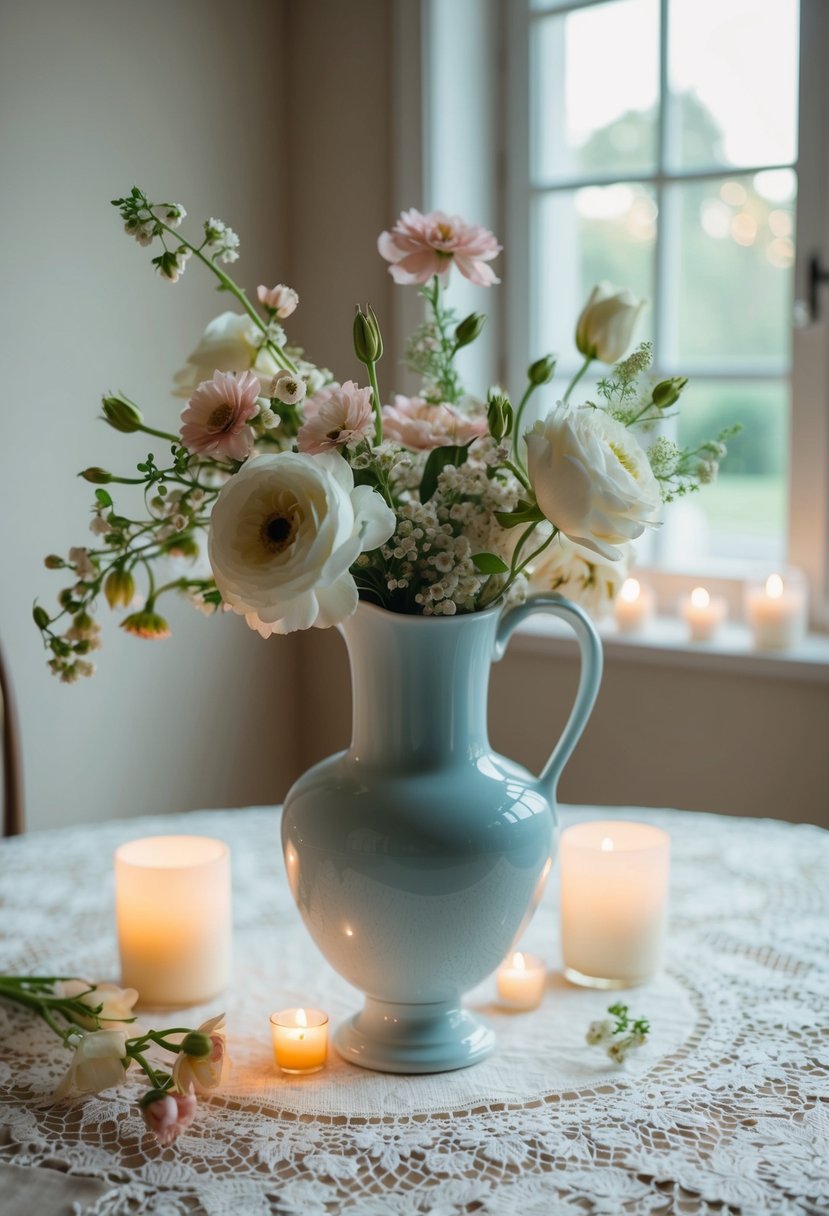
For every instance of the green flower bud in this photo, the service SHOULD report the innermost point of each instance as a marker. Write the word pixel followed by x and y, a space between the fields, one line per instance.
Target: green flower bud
pixel 667 392
pixel 368 346
pixel 121 414
pixel 182 546
pixel 375 325
pixel 98 477
pixel 146 624
pixel 542 371
pixel 119 588
pixel 152 1095
pixel 499 414
pixel 53 562
pixel 196 1045
pixel 67 601
pixel 469 329
pixel 40 616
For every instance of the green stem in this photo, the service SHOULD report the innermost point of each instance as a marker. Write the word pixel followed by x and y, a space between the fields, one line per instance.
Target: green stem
pixel 587 361
pixel 516 426
pixel 519 474
pixel 378 409
pixel 147 1067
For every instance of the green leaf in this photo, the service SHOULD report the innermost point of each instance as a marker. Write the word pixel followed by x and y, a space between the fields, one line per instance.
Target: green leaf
pixel 439 458
pixel 103 498
pixel 489 563
pixel 513 519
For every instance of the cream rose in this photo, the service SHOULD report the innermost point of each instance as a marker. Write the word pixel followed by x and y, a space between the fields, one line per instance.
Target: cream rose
pixel 605 328
pixel 98 1063
pixel 588 578
pixel 283 534
pixel 115 1003
pixel 592 479
pixel 227 345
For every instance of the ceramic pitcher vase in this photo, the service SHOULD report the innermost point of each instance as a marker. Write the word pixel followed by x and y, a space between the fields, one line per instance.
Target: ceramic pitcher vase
pixel 417 856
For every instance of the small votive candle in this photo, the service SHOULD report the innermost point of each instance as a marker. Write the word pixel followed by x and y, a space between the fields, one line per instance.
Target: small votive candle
pixel 633 608
pixel 614 895
pixel 777 612
pixel 703 613
pixel 520 981
pixel 300 1040
pixel 172 909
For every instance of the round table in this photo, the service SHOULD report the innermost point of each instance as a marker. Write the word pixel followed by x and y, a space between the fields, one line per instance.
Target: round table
pixel 724 1110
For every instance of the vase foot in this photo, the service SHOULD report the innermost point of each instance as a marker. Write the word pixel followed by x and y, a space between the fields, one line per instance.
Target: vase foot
pixel 414 1038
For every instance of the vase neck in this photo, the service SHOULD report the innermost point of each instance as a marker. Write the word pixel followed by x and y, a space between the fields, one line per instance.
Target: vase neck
pixel 419 686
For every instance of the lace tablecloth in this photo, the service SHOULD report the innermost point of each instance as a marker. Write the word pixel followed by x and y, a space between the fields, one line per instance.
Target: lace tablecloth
pixel 724 1110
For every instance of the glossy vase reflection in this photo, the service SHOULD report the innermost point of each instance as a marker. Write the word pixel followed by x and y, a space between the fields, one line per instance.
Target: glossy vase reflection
pixel 417 855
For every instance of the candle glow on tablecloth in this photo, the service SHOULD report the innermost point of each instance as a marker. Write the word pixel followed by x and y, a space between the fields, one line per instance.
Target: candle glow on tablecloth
pixel 300 1040
pixel 172 905
pixel 614 887
pixel 520 981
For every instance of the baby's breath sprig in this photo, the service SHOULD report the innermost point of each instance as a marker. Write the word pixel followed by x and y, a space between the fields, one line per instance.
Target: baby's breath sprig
pixel 620 1036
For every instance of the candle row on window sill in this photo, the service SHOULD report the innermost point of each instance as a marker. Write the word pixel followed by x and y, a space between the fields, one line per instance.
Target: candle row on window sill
pixel 776 611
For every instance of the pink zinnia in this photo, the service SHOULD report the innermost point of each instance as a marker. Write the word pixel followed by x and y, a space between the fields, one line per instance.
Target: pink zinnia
pixel 417 424
pixel 215 417
pixel 336 417
pixel 420 246
pixel 168 1115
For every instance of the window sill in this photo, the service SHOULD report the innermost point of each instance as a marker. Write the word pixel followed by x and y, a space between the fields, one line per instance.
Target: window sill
pixel 666 644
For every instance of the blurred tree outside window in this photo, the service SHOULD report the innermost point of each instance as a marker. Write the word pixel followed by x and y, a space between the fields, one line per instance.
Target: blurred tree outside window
pixel 663 158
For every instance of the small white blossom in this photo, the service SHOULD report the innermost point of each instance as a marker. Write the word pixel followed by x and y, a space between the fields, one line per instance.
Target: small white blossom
pixel 171 213
pixel 100 526
pixel 81 563
pixel 288 388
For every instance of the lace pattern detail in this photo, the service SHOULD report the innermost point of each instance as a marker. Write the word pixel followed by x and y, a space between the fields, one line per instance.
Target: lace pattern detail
pixel 726 1110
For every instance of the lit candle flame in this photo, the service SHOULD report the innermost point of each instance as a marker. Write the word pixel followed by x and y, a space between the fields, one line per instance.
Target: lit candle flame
pixel 631 590
pixel 774 586
pixel 301 1017
pixel 607 845
pixel 518 962
pixel 700 597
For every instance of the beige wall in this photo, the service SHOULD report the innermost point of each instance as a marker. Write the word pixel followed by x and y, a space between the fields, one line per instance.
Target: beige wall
pixel 97 96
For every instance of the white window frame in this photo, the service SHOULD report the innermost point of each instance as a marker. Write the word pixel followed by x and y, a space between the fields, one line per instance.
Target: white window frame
pixel 490 134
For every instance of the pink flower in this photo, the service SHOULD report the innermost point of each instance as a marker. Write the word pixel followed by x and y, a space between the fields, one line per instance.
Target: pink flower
pixel 215 416
pixel 420 246
pixel 336 417
pixel 280 299
pixel 167 1115
pixel 416 424
pixel 203 1071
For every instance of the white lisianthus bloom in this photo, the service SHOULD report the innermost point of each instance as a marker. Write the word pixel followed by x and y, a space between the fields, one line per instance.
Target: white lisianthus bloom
pixel 98 1063
pixel 605 328
pixel 116 1003
pixel 591 479
pixel 588 578
pixel 227 345
pixel 284 532
pixel 203 1071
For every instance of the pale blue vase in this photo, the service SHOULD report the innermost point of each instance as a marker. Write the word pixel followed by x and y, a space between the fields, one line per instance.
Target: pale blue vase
pixel 417 856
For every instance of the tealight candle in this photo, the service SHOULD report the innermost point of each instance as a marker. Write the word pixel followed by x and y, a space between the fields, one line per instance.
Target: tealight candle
pixel 300 1040
pixel 704 613
pixel 614 890
pixel 777 612
pixel 172 908
pixel 520 981
pixel 633 608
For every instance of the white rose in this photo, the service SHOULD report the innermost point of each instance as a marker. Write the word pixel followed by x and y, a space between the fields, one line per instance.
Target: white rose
pixel 592 479
pixel 227 345
pixel 116 1003
pixel 284 532
pixel 605 328
pixel 588 578
pixel 97 1064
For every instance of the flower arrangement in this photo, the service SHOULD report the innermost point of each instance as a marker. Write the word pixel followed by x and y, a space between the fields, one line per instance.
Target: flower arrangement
pixel 619 1036
pixel 315 493
pixel 95 1021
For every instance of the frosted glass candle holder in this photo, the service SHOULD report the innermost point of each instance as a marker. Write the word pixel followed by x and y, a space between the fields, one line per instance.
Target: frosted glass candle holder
pixel 614 895
pixel 172 909
pixel 777 611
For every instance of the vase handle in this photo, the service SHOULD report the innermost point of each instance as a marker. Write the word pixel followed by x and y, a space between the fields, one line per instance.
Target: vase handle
pixel 589 680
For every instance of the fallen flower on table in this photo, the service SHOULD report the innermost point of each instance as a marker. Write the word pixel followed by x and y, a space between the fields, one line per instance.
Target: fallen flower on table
pixel 93 1021
pixel 605 1033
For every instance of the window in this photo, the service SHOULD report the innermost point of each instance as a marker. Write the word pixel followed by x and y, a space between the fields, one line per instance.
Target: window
pixel 679 147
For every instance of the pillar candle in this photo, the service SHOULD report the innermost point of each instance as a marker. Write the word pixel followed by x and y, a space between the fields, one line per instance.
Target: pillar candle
pixel 703 613
pixel 172 902
pixel 634 606
pixel 614 887
pixel 777 612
